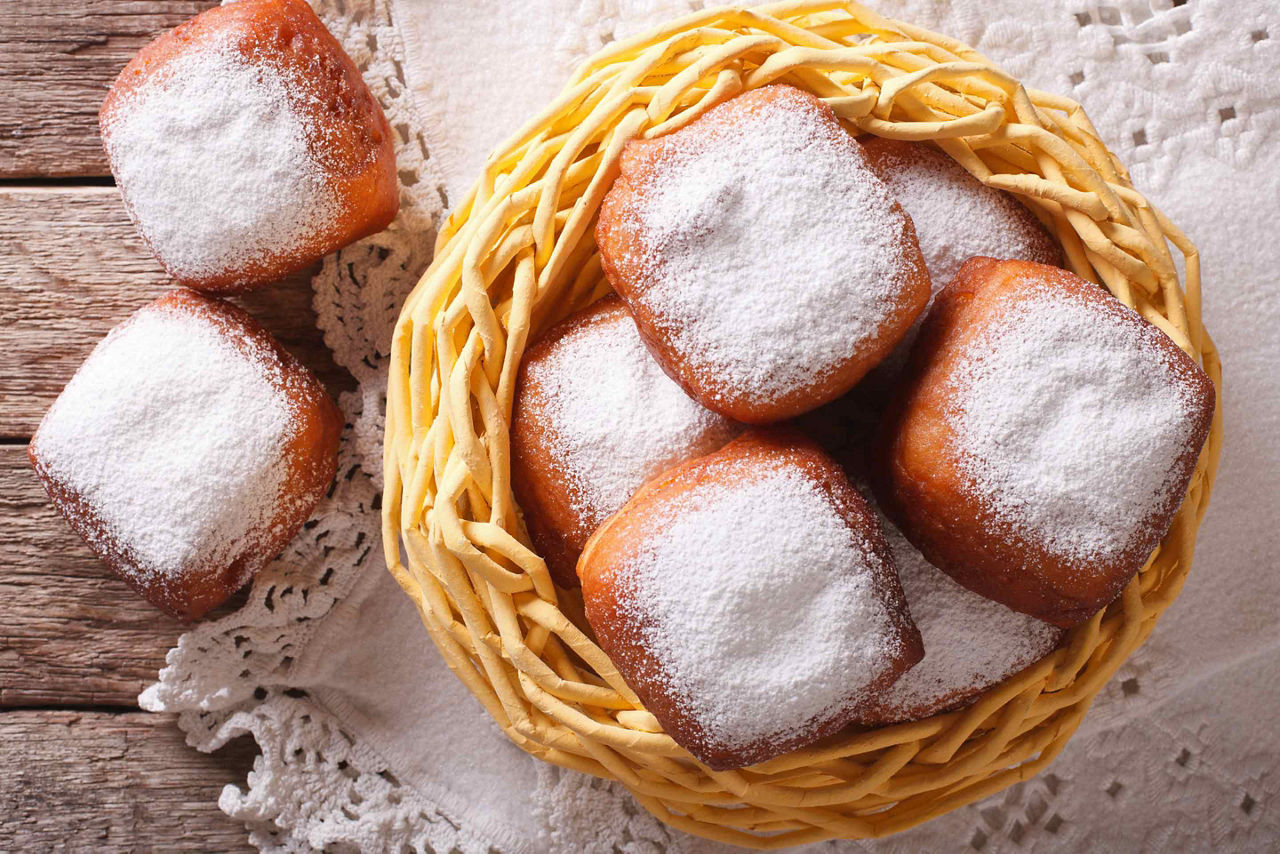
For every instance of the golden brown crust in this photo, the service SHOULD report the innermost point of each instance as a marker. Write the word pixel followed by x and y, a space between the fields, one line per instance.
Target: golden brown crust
pixel 621 252
pixel 348 133
pixel 310 450
pixel 919 483
pixel 603 569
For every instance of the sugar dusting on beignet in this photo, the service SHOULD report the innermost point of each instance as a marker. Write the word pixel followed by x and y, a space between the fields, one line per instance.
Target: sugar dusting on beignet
pixel 956 218
pixel 594 418
pixel 1072 424
pixel 765 263
pixel 970 642
pixel 749 599
pixel 187 450
pixel 1043 438
pixel 246 145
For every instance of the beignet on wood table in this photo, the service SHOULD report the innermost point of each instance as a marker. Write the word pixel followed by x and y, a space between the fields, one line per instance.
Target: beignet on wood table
pixel 246 146
pixel 188 450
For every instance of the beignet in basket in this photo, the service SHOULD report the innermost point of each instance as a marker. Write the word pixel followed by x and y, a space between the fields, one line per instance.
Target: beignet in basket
pixel 517 255
pixel 594 418
pixel 1042 440
pixel 767 266
pixel 750 600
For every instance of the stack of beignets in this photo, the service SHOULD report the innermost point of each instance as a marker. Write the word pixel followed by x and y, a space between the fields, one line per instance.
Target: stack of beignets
pixel 1035 449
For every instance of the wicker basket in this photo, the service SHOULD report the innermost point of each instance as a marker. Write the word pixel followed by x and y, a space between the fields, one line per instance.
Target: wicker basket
pixel 518 254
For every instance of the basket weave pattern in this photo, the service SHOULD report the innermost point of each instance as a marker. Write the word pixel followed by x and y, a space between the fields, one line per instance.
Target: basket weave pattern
pixel 518 254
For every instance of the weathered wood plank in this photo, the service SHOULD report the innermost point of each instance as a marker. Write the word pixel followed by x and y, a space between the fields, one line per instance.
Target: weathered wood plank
pixel 113 782
pixel 56 61
pixel 71 633
pixel 71 267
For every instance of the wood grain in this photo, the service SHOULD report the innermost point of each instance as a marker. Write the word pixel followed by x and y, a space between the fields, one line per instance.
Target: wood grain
pixel 77 781
pixel 57 60
pixel 71 633
pixel 71 267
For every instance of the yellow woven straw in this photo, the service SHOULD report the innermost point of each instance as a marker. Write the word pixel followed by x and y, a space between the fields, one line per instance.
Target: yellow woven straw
pixel 518 254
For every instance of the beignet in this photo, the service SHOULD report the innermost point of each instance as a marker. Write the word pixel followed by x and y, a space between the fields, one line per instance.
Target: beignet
pixel 767 267
pixel 246 146
pixel 970 642
pixel 187 450
pixel 594 418
pixel 749 599
pixel 955 216
pixel 1042 440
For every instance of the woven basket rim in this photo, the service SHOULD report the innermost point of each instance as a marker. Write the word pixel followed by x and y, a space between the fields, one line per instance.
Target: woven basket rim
pixel 518 253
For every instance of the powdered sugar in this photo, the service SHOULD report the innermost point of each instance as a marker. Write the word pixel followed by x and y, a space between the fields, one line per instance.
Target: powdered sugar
pixel 212 160
pixel 1070 422
pixel 956 217
pixel 763 608
pixel 775 254
pixel 612 417
pixel 970 642
pixel 173 439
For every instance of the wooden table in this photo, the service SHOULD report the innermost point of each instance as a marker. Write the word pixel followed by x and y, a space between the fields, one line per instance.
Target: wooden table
pixel 81 767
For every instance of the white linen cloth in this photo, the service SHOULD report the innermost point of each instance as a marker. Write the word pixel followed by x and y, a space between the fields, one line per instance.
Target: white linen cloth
pixel 368 740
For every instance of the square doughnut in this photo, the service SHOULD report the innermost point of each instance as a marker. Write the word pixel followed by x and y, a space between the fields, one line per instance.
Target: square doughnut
pixel 1042 440
pixel 246 146
pixel 970 642
pixel 187 450
pixel 749 599
pixel 955 216
pixel 766 265
pixel 594 418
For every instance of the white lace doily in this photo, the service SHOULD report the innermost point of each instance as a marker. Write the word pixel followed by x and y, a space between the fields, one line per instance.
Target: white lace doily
pixel 1172 756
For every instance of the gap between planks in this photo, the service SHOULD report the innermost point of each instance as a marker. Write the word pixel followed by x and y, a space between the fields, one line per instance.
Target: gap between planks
pixel 87 781
pixel 71 267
